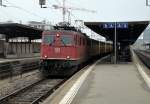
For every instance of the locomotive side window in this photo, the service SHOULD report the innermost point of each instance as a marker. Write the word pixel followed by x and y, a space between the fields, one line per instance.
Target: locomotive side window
pixel 83 41
pixel 80 41
pixel 48 39
pixel 75 39
pixel 78 38
pixel 66 40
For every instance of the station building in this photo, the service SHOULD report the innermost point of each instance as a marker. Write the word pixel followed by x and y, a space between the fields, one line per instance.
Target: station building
pixel 19 41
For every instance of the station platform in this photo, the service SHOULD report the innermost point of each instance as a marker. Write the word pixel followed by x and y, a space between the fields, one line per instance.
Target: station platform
pixel 104 84
pixel 113 84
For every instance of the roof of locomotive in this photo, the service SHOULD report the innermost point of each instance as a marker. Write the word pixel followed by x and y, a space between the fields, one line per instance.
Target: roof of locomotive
pixel 66 29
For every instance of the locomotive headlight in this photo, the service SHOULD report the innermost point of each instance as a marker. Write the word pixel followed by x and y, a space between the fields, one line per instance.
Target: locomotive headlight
pixel 68 57
pixel 57 35
pixel 45 56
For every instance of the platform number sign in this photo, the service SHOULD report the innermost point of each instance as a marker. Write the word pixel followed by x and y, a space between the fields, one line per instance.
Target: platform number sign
pixel 122 25
pixel 108 25
pixel 118 25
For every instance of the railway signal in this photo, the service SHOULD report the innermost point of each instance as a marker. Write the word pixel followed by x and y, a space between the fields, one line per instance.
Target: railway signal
pixel 147 2
pixel 1 3
pixel 42 2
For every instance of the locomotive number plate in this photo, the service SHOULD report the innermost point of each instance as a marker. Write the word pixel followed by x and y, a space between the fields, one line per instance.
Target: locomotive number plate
pixel 57 50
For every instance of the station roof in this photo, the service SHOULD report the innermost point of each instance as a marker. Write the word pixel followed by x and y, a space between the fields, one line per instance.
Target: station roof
pixel 126 35
pixel 12 30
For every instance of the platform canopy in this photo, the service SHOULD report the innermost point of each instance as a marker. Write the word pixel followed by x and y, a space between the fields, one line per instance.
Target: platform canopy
pixel 13 30
pixel 127 32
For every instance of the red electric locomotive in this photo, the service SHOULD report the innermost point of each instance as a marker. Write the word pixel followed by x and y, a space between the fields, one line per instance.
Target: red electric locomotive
pixel 64 49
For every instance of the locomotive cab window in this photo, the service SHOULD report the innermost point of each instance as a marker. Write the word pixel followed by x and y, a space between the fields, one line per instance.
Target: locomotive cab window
pixel 67 40
pixel 48 39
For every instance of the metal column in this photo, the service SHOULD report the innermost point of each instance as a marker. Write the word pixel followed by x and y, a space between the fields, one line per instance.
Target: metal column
pixel 115 44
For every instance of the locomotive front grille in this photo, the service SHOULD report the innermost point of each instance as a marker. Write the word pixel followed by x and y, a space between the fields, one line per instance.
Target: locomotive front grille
pixel 57 50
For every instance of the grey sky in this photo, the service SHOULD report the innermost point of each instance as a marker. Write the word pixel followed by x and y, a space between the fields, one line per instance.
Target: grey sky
pixel 107 10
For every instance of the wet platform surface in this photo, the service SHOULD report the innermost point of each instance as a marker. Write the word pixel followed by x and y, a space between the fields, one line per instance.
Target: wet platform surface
pixel 113 84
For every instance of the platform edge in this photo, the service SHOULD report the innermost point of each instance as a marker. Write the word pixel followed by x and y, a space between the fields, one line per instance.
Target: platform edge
pixel 140 69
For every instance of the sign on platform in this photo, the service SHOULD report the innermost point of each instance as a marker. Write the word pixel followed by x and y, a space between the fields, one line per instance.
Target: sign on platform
pixel 118 25
pixel 108 25
pixel 122 25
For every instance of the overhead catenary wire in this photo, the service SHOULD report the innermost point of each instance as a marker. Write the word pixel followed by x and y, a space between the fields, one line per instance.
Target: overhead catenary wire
pixel 22 9
pixel 58 2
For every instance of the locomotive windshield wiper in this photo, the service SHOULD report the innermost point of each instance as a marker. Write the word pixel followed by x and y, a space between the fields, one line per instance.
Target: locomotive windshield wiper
pixel 55 40
pixel 63 42
pixel 52 42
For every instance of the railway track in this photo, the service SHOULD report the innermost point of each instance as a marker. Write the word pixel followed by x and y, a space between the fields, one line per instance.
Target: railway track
pixel 34 93
pixel 144 57
pixel 12 84
pixel 16 68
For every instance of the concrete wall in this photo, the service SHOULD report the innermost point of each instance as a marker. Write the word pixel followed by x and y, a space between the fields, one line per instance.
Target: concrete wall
pixel 18 49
